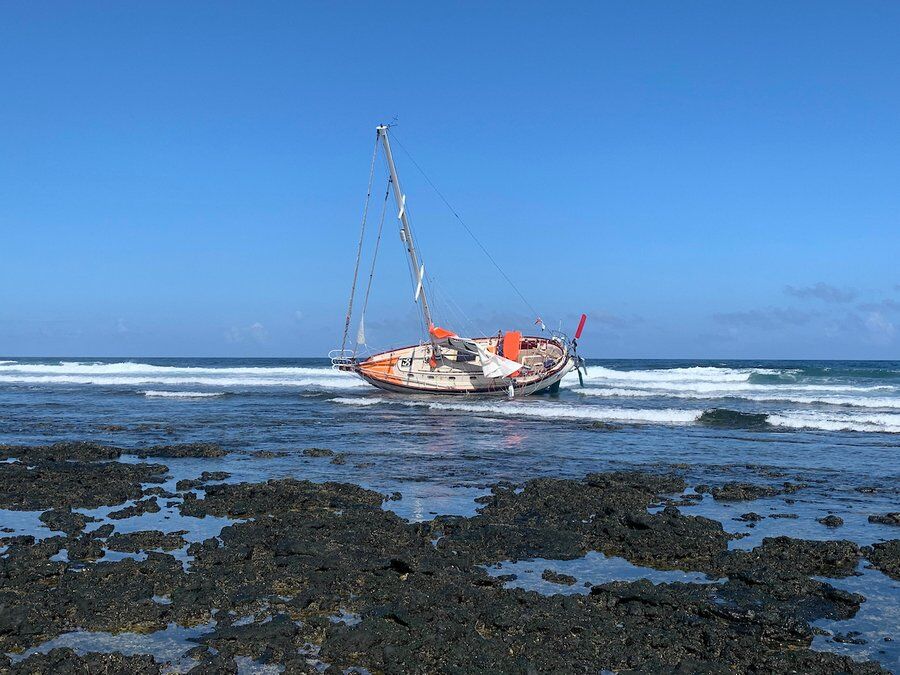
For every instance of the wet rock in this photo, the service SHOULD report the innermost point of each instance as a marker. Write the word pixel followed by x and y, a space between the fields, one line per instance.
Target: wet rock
pixel 205 477
pixel 61 452
pixel 111 427
pixel 604 426
pixel 885 557
pixel 148 505
pixel 850 638
pixel 303 553
pixel 831 520
pixel 214 664
pixel 339 458
pixel 750 517
pixel 66 661
pixel 146 540
pixel 318 452
pixel 266 454
pixel 892 518
pixel 208 450
pixel 788 516
pixel 790 488
pixel 779 557
pixel 270 640
pixel 738 492
pixel 159 492
pixel 557 578
pixel 68 484
pixel 64 520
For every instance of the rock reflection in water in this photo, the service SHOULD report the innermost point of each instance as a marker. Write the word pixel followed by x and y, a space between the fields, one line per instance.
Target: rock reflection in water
pixel 166 646
pixel 874 630
pixel 594 568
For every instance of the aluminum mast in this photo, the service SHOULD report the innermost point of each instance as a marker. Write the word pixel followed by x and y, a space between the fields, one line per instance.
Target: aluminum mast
pixel 406 233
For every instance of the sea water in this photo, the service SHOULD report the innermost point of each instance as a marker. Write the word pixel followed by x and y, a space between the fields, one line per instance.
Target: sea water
pixel 833 425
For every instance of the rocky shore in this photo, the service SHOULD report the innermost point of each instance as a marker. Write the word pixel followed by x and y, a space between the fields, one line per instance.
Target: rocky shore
pixel 311 577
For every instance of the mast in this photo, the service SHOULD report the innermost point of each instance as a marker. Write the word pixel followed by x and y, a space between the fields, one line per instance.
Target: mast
pixel 406 232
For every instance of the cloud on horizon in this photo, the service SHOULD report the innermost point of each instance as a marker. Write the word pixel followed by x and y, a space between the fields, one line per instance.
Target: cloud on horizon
pixel 255 332
pixel 771 318
pixel 821 291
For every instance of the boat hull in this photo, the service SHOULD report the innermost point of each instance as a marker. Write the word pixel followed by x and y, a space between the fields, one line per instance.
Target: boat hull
pixel 414 370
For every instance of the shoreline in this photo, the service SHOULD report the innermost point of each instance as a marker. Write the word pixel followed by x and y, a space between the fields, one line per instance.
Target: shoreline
pixel 316 575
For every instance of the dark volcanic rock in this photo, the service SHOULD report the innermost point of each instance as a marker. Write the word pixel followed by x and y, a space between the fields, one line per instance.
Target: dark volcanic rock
pixel 885 557
pixel 739 492
pixel 797 556
pixel 205 477
pixel 209 450
pixel 148 505
pixel 266 454
pixel 565 519
pixel 66 484
pixel 750 517
pixel 318 452
pixel 64 520
pixel 831 520
pixel 323 571
pixel 557 578
pixel 146 540
pixel 61 452
pixel 892 518
pixel 65 661
pixel 339 458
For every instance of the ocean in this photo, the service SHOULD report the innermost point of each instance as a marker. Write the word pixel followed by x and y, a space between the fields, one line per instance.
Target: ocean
pixel 832 425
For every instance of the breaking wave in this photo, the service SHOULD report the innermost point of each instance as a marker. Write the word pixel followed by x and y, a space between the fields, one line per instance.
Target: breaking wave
pixel 358 400
pixel 829 422
pixel 882 402
pixel 542 410
pixel 721 418
pixel 183 394
pixel 144 374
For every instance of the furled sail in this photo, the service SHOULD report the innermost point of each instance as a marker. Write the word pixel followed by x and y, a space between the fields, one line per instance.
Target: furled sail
pixel 361 333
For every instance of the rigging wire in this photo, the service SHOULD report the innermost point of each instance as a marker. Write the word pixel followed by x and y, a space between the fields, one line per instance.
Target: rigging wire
pixel 362 233
pixel 374 258
pixel 462 222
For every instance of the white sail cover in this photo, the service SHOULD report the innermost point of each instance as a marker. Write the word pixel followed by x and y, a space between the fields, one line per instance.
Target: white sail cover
pixel 492 365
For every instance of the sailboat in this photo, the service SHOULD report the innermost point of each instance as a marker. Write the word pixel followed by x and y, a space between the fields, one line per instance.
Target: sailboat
pixel 443 362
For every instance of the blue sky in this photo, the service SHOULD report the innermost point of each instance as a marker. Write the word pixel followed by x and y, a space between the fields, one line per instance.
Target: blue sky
pixel 703 179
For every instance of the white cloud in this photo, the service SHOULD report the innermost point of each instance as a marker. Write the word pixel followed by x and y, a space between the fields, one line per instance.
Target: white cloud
pixel 822 291
pixel 881 330
pixel 255 332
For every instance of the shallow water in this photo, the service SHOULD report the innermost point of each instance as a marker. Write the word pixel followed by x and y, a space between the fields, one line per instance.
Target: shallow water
pixel 592 569
pixel 167 646
pixel 834 426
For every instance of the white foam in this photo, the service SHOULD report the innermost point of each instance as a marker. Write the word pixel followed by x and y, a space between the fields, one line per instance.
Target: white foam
pixel 183 394
pixel 885 423
pixel 676 375
pixel 144 374
pixel 358 400
pixel 773 395
pixel 562 411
